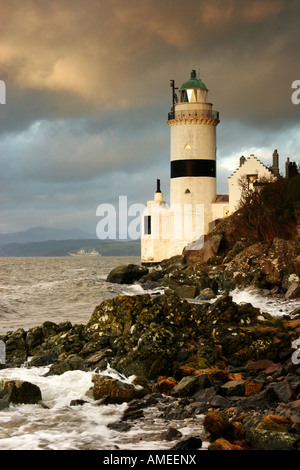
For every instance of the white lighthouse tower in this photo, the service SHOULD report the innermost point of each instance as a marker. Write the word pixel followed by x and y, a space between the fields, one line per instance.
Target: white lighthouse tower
pixel 192 121
pixel 193 124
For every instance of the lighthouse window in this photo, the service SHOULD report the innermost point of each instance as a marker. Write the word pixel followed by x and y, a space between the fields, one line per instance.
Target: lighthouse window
pixel 187 191
pixel 192 95
pixel 147 224
pixel 184 97
pixel 187 147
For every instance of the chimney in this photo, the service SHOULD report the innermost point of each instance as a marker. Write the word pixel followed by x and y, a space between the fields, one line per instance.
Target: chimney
pixel 287 167
pixel 158 186
pixel 275 168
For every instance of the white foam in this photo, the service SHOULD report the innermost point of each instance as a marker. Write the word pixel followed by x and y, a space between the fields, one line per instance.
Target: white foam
pixel 61 427
pixel 271 305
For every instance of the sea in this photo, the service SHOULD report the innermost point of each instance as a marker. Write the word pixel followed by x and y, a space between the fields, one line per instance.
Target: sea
pixel 34 290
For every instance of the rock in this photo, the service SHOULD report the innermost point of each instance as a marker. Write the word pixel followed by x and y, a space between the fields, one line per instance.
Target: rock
pixel 294 382
pixel 275 423
pixel 252 387
pixel 189 443
pixel 18 391
pixel 73 362
pixel 260 401
pixel 223 444
pixel 233 387
pixel 132 414
pixel 284 391
pixel 120 426
pixel 206 294
pixel 117 391
pixel 272 440
pixel 127 274
pixel 205 395
pixel 220 402
pixel 217 425
pixel 16 352
pixel 171 434
pixel 44 358
pixel 209 250
pixel 78 402
pixel 290 410
pixel 164 385
pixel 186 291
pixel 261 364
pixel 293 291
pixel 189 385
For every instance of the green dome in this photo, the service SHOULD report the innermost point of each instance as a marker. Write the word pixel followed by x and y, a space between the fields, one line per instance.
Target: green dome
pixel 193 83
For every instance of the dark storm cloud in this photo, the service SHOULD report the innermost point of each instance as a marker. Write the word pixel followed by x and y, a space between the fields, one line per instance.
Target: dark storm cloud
pixel 88 93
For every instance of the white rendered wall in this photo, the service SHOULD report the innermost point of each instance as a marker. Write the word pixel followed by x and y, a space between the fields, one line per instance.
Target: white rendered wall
pixel 220 210
pixel 252 166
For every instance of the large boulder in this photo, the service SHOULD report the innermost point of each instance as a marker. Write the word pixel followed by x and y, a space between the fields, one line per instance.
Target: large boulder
pixel 114 391
pixel 18 391
pixel 127 274
pixel 201 253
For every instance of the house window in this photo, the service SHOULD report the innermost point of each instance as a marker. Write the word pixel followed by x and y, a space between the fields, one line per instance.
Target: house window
pixel 147 224
pixel 251 180
pixel 187 147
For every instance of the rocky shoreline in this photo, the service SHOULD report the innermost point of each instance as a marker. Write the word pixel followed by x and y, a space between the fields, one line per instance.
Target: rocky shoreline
pixel 229 369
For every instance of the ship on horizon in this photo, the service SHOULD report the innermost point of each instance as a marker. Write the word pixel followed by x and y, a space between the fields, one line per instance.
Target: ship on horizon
pixel 83 252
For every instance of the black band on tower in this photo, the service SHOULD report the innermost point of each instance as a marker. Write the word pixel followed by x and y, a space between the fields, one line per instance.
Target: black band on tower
pixel 199 167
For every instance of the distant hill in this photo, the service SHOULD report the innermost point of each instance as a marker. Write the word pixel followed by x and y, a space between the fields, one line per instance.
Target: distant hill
pixel 64 247
pixel 40 234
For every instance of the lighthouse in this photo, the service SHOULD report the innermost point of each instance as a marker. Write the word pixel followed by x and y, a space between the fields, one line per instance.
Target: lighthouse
pixel 167 230
pixel 193 123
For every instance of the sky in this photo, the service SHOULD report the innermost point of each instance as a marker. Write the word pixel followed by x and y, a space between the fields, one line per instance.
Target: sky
pixel 87 94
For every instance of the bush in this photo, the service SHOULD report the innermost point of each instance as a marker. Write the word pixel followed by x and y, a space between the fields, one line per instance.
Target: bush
pixel 270 211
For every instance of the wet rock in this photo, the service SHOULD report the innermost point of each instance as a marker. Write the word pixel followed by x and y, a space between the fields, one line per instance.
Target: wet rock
pixel 220 402
pixel 186 291
pixel 206 294
pixel 217 425
pixel 78 402
pixel 293 291
pixel 208 250
pixel 120 426
pixel 233 388
pixel 223 444
pixel 261 364
pixel 72 362
pixel 189 443
pixel 189 385
pixel 127 274
pixel 132 414
pixel 117 391
pixel 205 395
pixel 44 358
pixel 164 385
pixel 16 352
pixel 272 440
pixel 171 434
pixel 263 400
pixel 290 410
pixel 275 423
pixel 284 391
pixel 252 387
pixel 18 391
